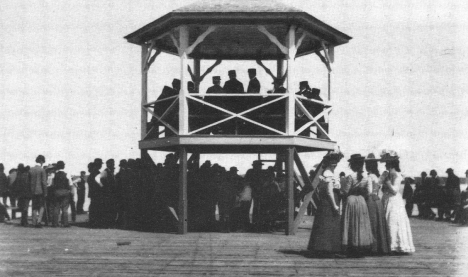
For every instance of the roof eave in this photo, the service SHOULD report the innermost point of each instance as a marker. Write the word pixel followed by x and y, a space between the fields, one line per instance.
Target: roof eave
pixel 172 20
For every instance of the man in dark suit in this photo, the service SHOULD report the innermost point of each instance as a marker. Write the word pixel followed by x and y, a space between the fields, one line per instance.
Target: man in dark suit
pixel 216 88
pixel 254 84
pixel 233 85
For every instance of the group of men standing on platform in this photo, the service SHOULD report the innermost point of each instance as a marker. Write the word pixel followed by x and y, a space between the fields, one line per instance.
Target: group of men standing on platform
pixel 205 115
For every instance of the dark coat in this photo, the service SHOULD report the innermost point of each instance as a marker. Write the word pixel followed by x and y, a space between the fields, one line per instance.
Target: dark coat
pixel 22 185
pixel 215 89
pixel 233 86
pixel 254 86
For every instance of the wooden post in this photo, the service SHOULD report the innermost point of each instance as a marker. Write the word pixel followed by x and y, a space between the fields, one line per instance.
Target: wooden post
pixel 183 107
pixel 196 72
pixel 144 96
pixel 182 213
pixel 144 90
pixel 290 190
pixel 290 106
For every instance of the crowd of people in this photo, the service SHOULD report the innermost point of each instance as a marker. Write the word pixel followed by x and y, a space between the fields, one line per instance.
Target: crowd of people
pixel 432 192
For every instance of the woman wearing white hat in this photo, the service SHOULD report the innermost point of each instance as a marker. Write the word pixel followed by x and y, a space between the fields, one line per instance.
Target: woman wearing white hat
pixel 376 210
pixel 398 225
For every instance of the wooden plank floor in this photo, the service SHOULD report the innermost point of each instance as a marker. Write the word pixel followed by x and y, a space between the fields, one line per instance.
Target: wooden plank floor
pixel 442 250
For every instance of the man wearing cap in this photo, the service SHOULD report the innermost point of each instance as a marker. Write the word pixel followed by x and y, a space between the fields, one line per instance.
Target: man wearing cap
pixel 255 177
pixel 233 85
pixel 452 186
pixel 39 190
pixel 254 84
pixel 216 88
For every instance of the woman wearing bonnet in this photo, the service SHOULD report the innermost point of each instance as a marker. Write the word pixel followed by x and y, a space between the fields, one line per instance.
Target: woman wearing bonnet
pixel 326 235
pixel 398 225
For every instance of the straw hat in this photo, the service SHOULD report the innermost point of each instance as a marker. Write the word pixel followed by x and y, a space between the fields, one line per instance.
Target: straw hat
pixel 371 157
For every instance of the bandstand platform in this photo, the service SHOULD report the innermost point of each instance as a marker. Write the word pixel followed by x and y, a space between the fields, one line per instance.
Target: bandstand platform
pixel 280 122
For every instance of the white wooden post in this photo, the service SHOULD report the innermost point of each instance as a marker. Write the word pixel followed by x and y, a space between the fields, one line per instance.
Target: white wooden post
pixel 290 106
pixel 196 72
pixel 183 107
pixel 144 90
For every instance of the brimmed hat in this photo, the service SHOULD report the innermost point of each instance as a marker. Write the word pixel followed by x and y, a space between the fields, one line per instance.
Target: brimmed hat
pixel 388 155
pixel 305 83
pixel 257 162
pixel 449 170
pixel 371 157
pixel 356 157
pixel 98 161
pixel 216 78
pixel 60 164
pixel 233 169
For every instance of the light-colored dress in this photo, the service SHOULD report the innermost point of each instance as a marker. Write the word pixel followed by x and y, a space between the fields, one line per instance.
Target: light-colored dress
pixel 377 217
pixel 326 232
pixel 398 225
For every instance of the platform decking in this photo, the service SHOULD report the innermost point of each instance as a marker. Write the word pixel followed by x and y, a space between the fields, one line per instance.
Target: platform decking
pixel 442 250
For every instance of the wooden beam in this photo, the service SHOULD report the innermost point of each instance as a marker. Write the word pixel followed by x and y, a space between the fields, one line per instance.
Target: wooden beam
pixel 273 39
pixel 200 39
pixel 183 107
pixel 308 195
pixel 182 212
pixel 196 73
pixel 162 121
pixel 290 190
pixel 290 103
pixel 144 91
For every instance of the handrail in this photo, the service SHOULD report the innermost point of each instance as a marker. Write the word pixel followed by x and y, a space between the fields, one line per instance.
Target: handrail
pixel 160 100
pixel 237 94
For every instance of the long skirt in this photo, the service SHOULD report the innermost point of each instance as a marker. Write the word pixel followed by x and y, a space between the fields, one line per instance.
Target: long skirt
pixel 356 232
pixel 326 233
pixel 378 223
pixel 398 225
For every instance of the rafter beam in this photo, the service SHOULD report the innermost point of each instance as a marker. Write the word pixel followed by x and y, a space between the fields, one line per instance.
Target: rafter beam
pixel 273 39
pixel 200 39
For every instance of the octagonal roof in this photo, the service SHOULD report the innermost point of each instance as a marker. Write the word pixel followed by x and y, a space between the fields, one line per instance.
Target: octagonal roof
pixel 237 36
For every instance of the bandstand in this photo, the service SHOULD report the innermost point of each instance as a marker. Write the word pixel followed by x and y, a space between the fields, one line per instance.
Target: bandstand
pixel 260 123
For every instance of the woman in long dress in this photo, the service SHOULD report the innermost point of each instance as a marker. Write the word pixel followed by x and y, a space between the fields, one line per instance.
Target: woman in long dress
pixel 325 236
pixel 398 225
pixel 356 232
pixel 378 222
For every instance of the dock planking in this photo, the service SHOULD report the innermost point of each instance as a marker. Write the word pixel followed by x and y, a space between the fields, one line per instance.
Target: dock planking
pixel 442 250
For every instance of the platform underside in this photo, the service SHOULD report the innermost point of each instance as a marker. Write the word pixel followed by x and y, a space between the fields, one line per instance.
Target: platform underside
pixel 237 144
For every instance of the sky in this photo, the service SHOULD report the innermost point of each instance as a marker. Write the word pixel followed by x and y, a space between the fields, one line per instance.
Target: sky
pixel 70 84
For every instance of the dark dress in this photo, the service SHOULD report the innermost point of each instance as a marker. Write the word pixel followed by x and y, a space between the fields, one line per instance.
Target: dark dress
pixel 326 234
pixel 356 232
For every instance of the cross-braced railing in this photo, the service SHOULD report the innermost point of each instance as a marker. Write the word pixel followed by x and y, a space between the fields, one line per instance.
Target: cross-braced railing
pixel 164 113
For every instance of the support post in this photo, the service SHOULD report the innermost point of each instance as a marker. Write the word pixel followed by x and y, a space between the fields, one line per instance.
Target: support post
pixel 183 107
pixel 290 190
pixel 182 213
pixel 144 96
pixel 291 103
pixel 196 69
pixel 144 90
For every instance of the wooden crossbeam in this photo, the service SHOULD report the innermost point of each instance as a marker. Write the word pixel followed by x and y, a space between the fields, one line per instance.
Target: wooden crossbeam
pixel 273 39
pixel 170 108
pixel 307 194
pixel 313 100
pixel 162 121
pixel 239 115
pixel 308 124
pixel 306 112
pixel 160 100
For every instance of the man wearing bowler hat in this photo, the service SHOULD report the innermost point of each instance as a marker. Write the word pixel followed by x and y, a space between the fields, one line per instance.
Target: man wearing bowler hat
pixel 254 84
